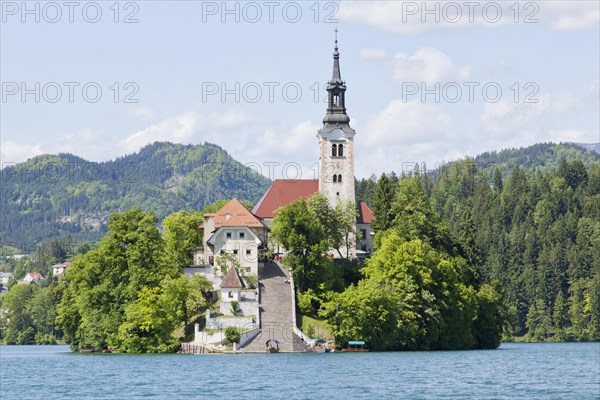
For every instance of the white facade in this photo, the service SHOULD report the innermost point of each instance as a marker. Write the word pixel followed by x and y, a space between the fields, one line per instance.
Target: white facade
pixel 336 178
pixel 5 277
pixel 242 243
pixel 60 269
pixel 364 238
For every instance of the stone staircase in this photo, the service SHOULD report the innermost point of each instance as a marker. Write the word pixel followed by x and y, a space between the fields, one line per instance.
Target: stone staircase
pixel 276 313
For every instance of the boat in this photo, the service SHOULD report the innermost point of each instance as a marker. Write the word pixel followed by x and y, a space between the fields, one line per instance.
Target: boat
pixel 355 346
pixel 316 350
pixel 87 350
pixel 272 347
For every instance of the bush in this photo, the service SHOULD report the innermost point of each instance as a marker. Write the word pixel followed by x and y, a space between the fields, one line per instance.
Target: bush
pixel 251 281
pixel 308 302
pixel 232 335
pixel 235 308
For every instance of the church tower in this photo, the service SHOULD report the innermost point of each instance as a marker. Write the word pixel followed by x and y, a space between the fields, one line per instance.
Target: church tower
pixel 336 142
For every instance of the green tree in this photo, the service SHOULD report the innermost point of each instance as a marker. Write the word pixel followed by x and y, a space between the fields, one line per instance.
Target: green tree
pixel 104 282
pixel 182 236
pixel 18 321
pixel 382 204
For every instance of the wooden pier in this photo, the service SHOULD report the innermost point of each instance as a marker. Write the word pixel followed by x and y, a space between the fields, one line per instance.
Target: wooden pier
pixel 192 348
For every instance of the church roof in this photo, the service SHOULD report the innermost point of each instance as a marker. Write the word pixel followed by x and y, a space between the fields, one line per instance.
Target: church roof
pixel 365 215
pixel 283 192
pixel 232 280
pixel 235 213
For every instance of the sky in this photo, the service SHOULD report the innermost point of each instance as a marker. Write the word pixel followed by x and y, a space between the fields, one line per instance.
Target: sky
pixel 428 82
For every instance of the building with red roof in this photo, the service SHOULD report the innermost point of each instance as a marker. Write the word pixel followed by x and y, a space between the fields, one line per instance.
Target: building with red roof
pixel 232 230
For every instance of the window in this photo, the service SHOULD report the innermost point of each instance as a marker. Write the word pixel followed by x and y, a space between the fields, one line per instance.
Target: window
pixel 340 150
pixel 235 251
pixel 336 100
pixel 242 235
pixel 248 252
pixel 337 194
pixel 363 233
pixel 339 178
pixel 247 269
pixel 333 150
pixel 228 235
pixel 334 178
pixel 230 294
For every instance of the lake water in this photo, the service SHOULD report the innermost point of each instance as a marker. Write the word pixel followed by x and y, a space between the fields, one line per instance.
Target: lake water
pixel 525 371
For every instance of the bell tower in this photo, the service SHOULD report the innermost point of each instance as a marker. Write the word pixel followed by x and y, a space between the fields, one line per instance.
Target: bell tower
pixel 336 142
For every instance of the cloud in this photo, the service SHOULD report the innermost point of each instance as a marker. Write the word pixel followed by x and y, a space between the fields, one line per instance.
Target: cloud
pixel 570 15
pixel 417 17
pixel 367 54
pixel 11 152
pixel 402 134
pixel 190 127
pixel 429 65
pixel 281 154
pixel 407 123
pixel 143 113
pixel 506 117
pixel 179 129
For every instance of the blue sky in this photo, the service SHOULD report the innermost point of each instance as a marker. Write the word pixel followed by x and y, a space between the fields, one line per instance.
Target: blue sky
pixel 249 77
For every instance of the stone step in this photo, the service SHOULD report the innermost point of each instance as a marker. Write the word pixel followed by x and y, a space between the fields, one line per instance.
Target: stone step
pixel 276 312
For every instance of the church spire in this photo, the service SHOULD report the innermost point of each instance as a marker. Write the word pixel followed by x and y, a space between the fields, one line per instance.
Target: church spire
pixel 336 77
pixel 336 88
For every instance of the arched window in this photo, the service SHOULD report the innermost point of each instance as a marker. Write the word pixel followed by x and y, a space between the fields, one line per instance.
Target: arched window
pixel 334 178
pixel 230 294
pixel 339 178
pixel 340 150
pixel 336 100
pixel 333 150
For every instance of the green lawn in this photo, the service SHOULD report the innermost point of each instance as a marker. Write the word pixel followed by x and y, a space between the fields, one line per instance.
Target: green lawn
pixel 318 325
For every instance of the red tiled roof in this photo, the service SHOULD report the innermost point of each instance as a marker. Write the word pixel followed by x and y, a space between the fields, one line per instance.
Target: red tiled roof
pixel 365 215
pixel 63 265
pixel 232 280
pixel 235 213
pixel 283 192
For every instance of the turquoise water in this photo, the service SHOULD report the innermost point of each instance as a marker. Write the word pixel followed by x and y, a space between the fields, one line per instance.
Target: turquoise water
pixel 524 371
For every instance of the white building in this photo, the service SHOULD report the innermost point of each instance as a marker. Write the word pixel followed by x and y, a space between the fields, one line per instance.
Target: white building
pixel 59 269
pixel 236 232
pixel 336 170
pixel 32 277
pixel 5 277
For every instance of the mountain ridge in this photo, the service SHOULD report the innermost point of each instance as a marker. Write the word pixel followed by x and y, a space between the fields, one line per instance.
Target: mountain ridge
pixel 55 195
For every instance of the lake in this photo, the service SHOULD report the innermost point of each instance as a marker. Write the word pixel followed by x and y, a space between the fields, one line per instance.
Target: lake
pixel 515 370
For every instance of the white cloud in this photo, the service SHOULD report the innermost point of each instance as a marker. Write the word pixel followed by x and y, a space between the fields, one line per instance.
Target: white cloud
pixel 11 152
pixel 143 113
pixel 402 134
pixel 506 117
pixel 570 15
pixel 190 127
pixel 367 54
pixel 429 65
pixel 594 87
pixel 179 129
pixel 407 123
pixel 417 17
pixel 295 151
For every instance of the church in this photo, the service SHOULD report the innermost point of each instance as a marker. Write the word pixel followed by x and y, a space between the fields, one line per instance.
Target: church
pixel 336 168
pixel 235 236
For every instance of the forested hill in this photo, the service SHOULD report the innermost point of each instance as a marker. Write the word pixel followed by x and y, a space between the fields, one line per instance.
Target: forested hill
pixel 53 195
pixel 542 156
